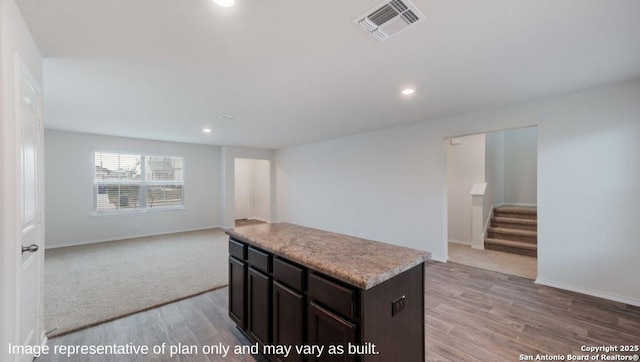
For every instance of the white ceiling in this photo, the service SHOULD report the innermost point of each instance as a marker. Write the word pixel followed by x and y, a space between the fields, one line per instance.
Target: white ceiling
pixel 300 71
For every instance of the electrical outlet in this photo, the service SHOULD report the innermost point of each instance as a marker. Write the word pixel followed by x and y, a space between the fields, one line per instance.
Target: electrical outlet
pixel 397 305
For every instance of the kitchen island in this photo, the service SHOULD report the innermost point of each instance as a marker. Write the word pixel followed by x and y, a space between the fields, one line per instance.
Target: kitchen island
pixel 345 298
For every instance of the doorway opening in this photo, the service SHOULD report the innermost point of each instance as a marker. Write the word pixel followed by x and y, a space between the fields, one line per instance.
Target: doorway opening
pixel 252 191
pixel 492 201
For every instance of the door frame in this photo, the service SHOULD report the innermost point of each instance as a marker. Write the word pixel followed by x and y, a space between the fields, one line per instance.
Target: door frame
pixel 446 188
pixel 269 193
pixel 228 156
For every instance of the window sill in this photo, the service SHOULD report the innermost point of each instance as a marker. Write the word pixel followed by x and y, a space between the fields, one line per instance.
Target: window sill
pixel 162 210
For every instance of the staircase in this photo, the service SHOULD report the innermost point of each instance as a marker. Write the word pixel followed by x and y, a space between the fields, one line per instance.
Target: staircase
pixel 514 229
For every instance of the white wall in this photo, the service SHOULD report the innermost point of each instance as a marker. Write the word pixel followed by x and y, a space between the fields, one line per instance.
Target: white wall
pixel 260 205
pixel 243 174
pixel 511 168
pixel 520 166
pixel 69 190
pixel 390 185
pixel 15 39
pixel 494 171
pixel 465 167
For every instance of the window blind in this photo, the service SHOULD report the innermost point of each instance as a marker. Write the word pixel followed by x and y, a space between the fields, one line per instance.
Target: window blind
pixel 126 182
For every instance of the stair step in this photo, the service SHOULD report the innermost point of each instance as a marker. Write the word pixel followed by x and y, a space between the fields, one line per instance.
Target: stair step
pixel 514 223
pixel 527 236
pixel 518 209
pixel 520 212
pixel 510 246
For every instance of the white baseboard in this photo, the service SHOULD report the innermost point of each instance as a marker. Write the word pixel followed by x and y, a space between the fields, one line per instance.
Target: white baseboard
pixel 468 243
pixel 440 258
pixel 587 291
pixel 64 245
pixel 44 338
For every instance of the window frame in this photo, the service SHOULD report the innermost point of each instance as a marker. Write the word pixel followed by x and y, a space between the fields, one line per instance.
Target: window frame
pixel 143 184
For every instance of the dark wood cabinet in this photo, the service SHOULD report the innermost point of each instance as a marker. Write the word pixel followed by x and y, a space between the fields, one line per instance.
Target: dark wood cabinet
pixel 337 297
pixel 329 329
pixel 275 301
pixel 237 285
pixel 259 306
pixel 288 319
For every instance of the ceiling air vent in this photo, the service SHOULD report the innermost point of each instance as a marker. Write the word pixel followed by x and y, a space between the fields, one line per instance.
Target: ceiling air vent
pixel 389 18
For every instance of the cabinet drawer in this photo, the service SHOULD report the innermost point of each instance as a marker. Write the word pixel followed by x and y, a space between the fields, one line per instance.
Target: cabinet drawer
pixel 237 249
pixel 334 296
pixel 288 274
pixel 259 259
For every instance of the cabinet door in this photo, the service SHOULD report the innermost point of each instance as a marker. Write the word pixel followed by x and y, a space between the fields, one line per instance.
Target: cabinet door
pixel 237 301
pixel 288 319
pixel 326 328
pixel 259 306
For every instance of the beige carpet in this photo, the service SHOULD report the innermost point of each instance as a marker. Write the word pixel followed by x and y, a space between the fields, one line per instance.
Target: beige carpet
pixel 512 264
pixel 90 284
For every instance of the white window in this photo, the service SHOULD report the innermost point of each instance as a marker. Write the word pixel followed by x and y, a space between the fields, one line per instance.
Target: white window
pixel 125 182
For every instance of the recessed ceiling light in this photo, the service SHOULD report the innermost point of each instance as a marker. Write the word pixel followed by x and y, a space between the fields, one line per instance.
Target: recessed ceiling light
pixel 225 3
pixel 206 130
pixel 408 91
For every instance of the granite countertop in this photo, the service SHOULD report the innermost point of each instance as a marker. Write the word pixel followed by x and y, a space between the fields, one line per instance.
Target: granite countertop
pixel 359 262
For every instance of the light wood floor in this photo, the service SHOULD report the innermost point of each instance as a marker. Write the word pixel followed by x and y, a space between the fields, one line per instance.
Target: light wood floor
pixel 200 320
pixel 471 315
pixel 474 314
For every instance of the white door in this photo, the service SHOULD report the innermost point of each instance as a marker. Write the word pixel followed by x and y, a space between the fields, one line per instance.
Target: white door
pixel 243 188
pixel 30 205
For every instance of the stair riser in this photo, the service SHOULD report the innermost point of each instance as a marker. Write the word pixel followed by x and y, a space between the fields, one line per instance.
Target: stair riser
pixel 515 215
pixel 506 236
pixel 511 250
pixel 508 225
